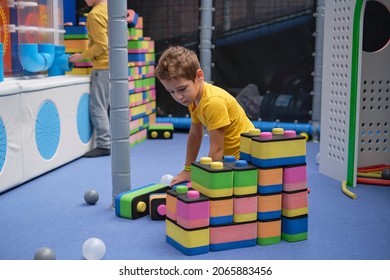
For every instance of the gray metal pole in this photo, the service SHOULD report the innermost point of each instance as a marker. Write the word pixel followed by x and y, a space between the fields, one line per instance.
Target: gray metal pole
pixel 226 15
pixel 317 74
pixel 206 30
pixel 119 91
pixel 318 57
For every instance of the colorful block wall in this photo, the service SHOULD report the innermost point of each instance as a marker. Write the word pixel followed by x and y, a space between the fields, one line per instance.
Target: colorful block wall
pixel 141 61
pixel 259 200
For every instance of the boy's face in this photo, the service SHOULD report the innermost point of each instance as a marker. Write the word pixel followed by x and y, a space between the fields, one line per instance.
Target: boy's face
pixel 185 91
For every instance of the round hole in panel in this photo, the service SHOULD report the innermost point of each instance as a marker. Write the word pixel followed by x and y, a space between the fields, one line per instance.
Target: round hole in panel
pixel 47 130
pixel 3 144
pixel 84 125
pixel 376 26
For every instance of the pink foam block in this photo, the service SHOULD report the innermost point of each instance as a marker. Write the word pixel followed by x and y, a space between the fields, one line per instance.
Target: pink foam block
pixel 245 205
pixel 233 232
pixel 193 211
pixel 295 200
pixel 294 178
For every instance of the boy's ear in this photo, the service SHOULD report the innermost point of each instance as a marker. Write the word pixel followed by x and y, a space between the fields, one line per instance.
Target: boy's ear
pixel 200 74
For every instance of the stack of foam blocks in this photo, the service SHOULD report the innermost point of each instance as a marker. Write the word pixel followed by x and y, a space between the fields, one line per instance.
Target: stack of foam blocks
pixel 260 199
pixel 142 83
pixel 76 41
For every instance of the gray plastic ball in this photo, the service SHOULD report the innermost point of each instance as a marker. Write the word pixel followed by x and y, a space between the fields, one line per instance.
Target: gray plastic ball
pixel 91 197
pixel 385 174
pixel 44 253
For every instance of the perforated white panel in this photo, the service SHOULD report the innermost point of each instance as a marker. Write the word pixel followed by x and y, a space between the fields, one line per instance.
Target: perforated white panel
pixel 336 88
pixel 374 127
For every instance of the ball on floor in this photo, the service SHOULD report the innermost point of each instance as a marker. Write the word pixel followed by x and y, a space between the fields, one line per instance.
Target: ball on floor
pixel 166 179
pixel 385 174
pixel 91 197
pixel 44 253
pixel 94 249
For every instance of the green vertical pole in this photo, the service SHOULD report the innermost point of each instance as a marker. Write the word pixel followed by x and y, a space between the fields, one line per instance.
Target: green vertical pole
pixel 354 92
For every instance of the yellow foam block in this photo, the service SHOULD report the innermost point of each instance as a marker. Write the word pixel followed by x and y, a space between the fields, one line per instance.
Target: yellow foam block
pixel 278 148
pixel 295 212
pixel 188 238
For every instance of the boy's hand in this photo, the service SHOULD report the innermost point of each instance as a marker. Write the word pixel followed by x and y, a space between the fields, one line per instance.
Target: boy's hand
pixel 75 57
pixel 183 176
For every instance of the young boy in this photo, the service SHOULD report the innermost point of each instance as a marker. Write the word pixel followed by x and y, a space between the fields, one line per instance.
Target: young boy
pixel 179 71
pixel 97 25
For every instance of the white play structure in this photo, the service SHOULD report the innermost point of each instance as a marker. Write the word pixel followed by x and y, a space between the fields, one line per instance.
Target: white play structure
pixel 44 123
pixel 355 113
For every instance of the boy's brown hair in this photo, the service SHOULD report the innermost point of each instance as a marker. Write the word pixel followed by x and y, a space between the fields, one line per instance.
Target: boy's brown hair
pixel 177 63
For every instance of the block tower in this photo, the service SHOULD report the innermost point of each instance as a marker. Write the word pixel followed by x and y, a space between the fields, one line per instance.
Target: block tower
pixel 142 83
pixel 280 157
pixel 260 199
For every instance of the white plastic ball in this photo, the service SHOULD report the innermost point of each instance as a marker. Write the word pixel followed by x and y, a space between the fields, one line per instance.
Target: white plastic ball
pixel 166 179
pixel 94 249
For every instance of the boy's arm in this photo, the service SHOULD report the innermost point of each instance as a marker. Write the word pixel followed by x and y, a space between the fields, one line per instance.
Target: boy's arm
pixel 216 143
pixel 98 31
pixel 194 141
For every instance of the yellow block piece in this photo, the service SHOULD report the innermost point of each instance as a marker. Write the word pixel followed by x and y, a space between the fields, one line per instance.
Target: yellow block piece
pixel 188 238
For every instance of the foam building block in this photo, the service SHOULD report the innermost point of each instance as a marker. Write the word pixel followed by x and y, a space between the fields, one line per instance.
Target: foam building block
pixel 295 203
pixel 132 18
pixel 233 236
pixel 270 150
pixel 221 211
pixel 160 131
pixel 134 204
pixel 157 206
pixel 270 180
pixel 80 30
pixel 193 210
pixel 245 176
pixel 246 143
pixel 294 178
pixel 269 232
pixel 171 200
pixel 188 241
pixel 294 228
pixel 269 206
pixel 244 208
pixel 212 179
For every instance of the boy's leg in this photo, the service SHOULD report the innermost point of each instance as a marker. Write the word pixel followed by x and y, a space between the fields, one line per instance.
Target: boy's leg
pixel 98 107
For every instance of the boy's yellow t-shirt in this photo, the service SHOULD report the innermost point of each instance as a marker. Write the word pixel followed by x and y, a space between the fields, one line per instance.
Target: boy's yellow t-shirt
pixel 216 109
pixel 97 25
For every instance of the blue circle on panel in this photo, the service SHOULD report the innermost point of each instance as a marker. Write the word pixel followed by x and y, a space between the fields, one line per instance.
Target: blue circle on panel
pixel 47 130
pixel 84 125
pixel 3 144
